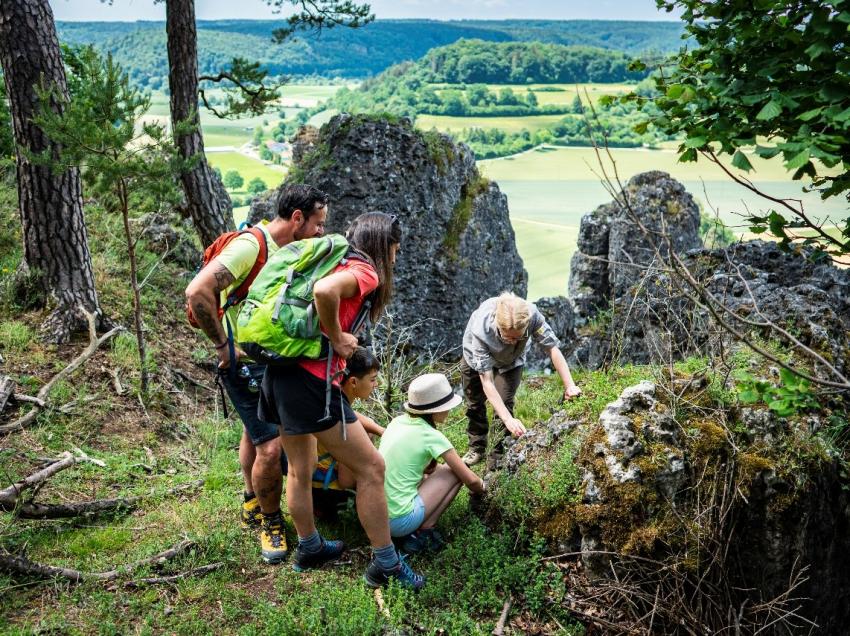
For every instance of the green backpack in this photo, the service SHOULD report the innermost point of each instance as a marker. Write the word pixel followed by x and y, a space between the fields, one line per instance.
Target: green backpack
pixel 278 322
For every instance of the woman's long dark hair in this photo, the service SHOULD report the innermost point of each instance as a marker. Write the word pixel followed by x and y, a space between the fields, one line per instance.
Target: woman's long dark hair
pixel 373 234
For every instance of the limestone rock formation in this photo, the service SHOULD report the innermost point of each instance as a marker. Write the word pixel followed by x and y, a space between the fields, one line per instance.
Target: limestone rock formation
pixel 458 246
pixel 747 508
pixel 630 308
pixel 613 254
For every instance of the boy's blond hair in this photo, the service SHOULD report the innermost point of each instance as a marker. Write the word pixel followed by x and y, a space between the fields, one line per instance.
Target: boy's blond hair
pixel 512 313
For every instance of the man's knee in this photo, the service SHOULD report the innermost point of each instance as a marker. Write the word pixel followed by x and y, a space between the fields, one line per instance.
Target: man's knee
pixel 269 451
pixel 371 470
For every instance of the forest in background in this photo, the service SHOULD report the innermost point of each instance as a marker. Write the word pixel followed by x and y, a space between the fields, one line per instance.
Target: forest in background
pixel 352 53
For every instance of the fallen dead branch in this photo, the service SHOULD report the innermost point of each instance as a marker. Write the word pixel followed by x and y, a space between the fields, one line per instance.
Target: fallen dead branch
pixel 173 578
pixel 503 618
pixel 7 390
pixel 18 564
pixel 43 394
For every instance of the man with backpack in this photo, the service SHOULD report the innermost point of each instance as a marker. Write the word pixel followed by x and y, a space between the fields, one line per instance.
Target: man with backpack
pixel 213 300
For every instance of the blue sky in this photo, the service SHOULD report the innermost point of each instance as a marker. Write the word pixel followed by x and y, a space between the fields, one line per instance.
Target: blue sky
pixel 130 10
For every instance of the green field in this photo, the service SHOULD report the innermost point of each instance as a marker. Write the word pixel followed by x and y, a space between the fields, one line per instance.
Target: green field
pixel 445 123
pixel 246 166
pixel 545 97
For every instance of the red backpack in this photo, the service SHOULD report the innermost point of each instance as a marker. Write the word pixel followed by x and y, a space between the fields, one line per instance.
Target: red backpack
pixel 237 295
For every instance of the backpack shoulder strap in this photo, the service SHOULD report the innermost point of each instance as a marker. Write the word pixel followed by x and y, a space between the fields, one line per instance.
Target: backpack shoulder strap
pixel 239 294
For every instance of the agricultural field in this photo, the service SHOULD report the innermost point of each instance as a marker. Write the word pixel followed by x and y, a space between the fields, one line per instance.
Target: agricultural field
pixel 248 167
pixel 446 123
pixel 554 94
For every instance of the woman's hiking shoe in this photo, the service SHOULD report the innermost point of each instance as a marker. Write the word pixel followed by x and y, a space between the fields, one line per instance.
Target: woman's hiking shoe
pixel 376 576
pixel 473 457
pixel 252 515
pixel 273 540
pixel 330 551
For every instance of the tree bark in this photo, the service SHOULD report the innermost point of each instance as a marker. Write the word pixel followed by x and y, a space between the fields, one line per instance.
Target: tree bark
pixel 207 202
pixel 51 207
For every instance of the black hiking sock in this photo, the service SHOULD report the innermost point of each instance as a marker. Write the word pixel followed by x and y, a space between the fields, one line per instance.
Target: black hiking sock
pixel 272 519
pixel 249 495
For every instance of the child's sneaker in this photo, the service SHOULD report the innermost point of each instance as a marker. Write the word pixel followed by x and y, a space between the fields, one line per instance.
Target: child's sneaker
pixel 409 543
pixel 329 551
pixel 376 576
pixel 431 539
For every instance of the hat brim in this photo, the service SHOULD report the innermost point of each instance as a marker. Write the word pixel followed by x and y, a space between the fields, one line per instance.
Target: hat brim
pixel 448 406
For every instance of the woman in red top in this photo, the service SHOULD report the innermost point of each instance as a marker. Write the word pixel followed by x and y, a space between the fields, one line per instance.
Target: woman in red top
pixel 294 397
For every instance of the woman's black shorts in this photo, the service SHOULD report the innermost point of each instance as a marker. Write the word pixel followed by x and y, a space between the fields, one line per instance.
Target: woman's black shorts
pixel 294 398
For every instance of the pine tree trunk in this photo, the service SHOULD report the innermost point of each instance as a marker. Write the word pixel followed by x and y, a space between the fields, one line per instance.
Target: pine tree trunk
pixel 207 201
pixel 56 248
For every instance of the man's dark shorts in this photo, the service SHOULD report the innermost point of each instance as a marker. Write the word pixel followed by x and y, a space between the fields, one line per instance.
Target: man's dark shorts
pixel 295 398
pixel 244 393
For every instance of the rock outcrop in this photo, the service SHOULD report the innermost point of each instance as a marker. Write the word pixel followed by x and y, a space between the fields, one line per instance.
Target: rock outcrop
pixel 458 246
pixel 743 498
pixel 613 254
pixel 629 306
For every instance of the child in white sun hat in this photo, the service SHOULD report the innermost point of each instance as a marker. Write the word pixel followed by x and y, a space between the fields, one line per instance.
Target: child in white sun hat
pixel 409 446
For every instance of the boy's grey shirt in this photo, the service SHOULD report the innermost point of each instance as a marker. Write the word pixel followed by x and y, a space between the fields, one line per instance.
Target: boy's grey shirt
pixel 483 350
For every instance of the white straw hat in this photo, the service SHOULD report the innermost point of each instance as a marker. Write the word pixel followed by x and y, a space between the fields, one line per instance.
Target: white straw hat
pixel 430 393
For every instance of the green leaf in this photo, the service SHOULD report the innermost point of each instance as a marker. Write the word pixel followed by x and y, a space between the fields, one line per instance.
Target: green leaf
pixel 675 91
pixel 758 229
pixel 777 223
pixel 695 142
pixel 689 155
pixel 768 152
pixel 817 49
pixel 798 160
pixel 740 161
pixel 640 128
pixel 788 377
pixel 781 407
pixel 810 114
pixel 771 110
pixel 749 396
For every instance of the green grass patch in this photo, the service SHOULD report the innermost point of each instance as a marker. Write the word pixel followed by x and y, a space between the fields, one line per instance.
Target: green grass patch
pixel 15 336
pixel 446 123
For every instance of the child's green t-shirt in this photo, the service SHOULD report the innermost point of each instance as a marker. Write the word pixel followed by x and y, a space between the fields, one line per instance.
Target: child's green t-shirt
pixel 407 446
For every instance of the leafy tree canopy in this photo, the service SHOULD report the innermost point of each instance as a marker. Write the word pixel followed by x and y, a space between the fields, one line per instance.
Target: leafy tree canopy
pixel 769 74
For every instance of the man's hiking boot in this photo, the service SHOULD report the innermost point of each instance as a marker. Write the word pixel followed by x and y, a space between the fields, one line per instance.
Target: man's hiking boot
pixel 252 515
pixel 273 540
pixel 329 551
pixel 473 457
pixel 376 576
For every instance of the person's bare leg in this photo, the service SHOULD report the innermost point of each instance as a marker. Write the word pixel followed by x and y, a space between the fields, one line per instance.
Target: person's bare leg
pixel 247 454
pixel 266 476
pixel 345 478
pixel 301 452
pixel 437 492
pixel 360 455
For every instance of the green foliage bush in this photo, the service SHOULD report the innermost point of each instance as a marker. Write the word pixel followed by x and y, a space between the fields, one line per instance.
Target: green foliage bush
pixel 793 395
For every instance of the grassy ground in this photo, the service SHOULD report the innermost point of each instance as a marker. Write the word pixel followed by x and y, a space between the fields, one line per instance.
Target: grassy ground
pixel 248 167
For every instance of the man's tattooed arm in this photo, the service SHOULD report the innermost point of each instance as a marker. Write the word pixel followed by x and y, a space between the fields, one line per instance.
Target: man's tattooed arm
pixel 202 296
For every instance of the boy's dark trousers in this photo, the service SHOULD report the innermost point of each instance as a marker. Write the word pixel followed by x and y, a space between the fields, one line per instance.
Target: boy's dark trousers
pixel 507 383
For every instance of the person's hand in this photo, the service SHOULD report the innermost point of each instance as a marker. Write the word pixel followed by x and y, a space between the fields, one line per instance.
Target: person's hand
pixel 516 427
pixel 571 392
pixel 345 345
pixel 224 356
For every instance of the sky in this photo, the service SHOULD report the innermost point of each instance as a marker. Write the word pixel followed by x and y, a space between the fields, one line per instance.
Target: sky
pixel 131 10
